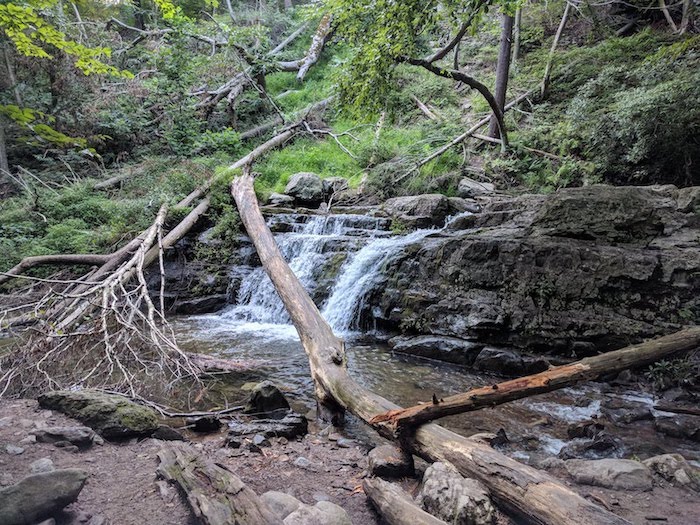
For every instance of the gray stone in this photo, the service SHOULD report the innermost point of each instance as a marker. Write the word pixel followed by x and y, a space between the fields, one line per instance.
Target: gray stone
pixel 551 463
pixel 38 496
pixel 602 445
pixel 619 474
pixel 14 450
pixel 674 468
pixel 290 426
pixel 304 463
pixel 305 188
pixel 281 504
pixel 41 465
pixel 266 399
pixel 508 362
pixel 389 461
pixel 167 433
pixel 28 440
pixel 445 494
pixel 470 188
pixel 279 199
pixel 419 211
pixel 443 348
pixel 112 416
pixel 345 442
pixel 260 441
pixel 82 437
pixel 323 513
pixel 333 185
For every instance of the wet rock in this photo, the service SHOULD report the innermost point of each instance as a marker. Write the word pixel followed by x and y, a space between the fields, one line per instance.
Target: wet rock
pixel 204 424
pixel 280 199
pixel 679 426
pixel 460 205
pixel 199 305
pixel 280 503
pixel 508 362
pixel 584 429
pixel 290 426
pixel 266 400
pixel 38 496
pixel 41 465
pixel 674 468
pixel 600 446
pixel 14 450
pixel 471 188
pixel 305 188
pixel 333 185
pixel 389 461
pixel 112 416
pixel 419 211
pixel 167 433
pixel 445 494
pixel 494 440
pixel 448 349
pixel 619 474
pixel 81 437
pixel 323 513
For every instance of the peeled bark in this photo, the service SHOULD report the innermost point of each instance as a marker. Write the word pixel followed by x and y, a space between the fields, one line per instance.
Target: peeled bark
pixel 520 489
pixel 502 71
pixel 395 505
pixel 216 495
pixel 553 379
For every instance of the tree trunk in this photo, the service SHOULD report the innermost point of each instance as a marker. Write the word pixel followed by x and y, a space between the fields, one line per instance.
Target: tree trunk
pixel 229 8
pixel 502 70
pixel 520 489
pixel 139 19
pixel 4 162
pixel 516 35
pixel 216 495
pixel 555 43
pixel 553 379
pixel 396 506
pixel 319 40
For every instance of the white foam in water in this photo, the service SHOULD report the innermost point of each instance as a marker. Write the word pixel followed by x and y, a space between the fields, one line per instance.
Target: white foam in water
pixel 551 445
pixel 568 413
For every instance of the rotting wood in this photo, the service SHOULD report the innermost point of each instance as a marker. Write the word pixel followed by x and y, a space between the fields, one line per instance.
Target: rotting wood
pixel 216 495
pixel 529 493
pixel 395 505
pixel 553 379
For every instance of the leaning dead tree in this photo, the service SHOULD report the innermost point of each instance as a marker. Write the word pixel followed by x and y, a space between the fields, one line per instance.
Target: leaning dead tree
pixel 520 489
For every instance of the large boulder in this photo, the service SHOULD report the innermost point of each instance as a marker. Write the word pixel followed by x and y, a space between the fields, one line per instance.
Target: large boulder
pixel 280 199
pixel 323 513
pixel 471 188
pixel 39 496
pixel 618 474
pixel 584 269
pixel 111 416
pixel 454 499
pixel 679 426
pixel 266 400
pixel 81 437
pixel 419 211
pixel 290 426
pixel 305 188
pixel 390 461
pixel 508 362
pixel 333 186
pixel 443 348
pixel 280 503
pixel 674 468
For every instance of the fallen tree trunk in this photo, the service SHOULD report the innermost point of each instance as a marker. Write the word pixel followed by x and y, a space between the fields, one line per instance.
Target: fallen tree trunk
pixel 553 379
pixel 520 489
pixel 395 505
pixel 319 40
pixel 216 495
pixel 58 259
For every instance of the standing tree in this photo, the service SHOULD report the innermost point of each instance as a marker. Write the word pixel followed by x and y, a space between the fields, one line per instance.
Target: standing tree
pixel 502 70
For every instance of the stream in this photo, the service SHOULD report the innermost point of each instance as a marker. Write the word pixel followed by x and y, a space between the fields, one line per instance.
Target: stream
pixel 340 260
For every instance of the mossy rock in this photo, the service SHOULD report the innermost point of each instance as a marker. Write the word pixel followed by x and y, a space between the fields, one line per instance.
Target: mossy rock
pixel 112 416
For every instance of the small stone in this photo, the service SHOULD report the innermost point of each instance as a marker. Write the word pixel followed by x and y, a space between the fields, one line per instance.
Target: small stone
pixel 6 479
pixel 29 440
pixel 280 503
pixel 49 521
pixel 333 437
pixel 266 399
pixel 233 442
pixel 97 520
pixel 320 496
pixel 344 442
pixel 14 450
pixel 81 437
pixel 324 512
pixel 304 463
pixel 98 440
pixel 204 424
pixel 41 465
pixel 167 433
pixel 260 441
pixel 390 461
pixel 282 441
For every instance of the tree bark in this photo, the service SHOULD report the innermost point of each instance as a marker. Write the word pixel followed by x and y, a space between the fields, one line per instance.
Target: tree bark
pixel 395 505
pixel 502 70
pixel 319 40
pixel 62 259
pixel 550 61
pixel 4 162
pixel 553 379
pixel 516 36
pixel 520 489
pixel 216 495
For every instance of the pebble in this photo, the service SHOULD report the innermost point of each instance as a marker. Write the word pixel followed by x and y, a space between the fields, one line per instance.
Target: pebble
pixel 302 462
pixel 260 441
pixel 344 442
pixel 6 479
pixel 41 465
pixel 29 440
pixel 14 450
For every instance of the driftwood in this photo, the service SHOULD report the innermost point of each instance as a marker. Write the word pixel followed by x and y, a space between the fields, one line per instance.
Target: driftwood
pixel 395 505
pixel 553 379
pixel 520 489
pixel 216 495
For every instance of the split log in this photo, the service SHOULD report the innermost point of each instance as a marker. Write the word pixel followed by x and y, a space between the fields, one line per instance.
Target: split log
pixel 553 379
pixel 216 495
pixel 522 490
pixel 395 505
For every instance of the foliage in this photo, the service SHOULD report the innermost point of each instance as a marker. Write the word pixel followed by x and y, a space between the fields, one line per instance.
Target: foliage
pixel 669 373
